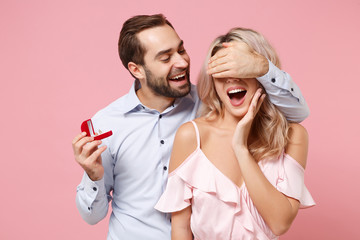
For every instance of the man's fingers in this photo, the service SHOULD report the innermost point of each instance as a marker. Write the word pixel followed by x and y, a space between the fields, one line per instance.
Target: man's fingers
pixel 219 54
pixel 230 47
pixel 240 45
pixel 90 147
pixel 218 69
pixel 223 74
pixel 217 62
pixel 78 146
pixel 78 137
pixel 228 44
pixel 96 154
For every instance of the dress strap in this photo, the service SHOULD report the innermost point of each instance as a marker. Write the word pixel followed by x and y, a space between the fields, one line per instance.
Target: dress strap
pixel 197 134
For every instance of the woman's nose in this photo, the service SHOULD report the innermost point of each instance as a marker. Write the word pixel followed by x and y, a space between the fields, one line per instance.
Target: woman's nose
pixel 229 80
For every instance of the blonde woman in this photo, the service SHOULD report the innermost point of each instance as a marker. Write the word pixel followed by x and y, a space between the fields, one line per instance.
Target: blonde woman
pixel 237 172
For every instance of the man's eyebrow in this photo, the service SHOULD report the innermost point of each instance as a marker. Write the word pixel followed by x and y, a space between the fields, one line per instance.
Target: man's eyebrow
pixel 168 50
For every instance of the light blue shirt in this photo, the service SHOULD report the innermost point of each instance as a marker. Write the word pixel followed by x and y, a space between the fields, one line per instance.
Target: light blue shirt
pixel 285 94
pixel 136 160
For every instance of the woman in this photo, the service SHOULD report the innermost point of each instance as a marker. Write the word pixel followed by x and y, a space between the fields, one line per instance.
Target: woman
pixel 237 172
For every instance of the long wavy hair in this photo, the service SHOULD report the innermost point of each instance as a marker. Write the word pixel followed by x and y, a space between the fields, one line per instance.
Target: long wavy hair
pixel 269 129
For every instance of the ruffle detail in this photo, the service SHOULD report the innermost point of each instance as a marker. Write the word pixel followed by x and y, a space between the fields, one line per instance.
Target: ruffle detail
pixel 208 178
pixel 290 180
pixel 176 197
pixel 197 179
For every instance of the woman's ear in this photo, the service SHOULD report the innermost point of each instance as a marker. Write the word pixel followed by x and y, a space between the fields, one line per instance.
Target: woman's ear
pixel 136 70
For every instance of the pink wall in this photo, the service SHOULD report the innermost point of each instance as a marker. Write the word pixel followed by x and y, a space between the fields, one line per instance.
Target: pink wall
pixel 59 65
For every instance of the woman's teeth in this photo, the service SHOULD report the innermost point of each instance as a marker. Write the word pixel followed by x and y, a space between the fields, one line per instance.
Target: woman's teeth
pixel 236 91
pixel 236 95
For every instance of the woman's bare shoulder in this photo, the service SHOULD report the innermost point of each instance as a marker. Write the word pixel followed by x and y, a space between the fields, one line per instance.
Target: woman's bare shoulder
pixel 185 143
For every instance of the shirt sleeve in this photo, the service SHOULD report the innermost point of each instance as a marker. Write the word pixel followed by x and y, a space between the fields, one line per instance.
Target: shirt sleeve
pixel 92 197
pixel 285 94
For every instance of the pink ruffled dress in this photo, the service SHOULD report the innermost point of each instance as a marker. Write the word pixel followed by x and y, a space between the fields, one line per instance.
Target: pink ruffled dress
pixel 220 209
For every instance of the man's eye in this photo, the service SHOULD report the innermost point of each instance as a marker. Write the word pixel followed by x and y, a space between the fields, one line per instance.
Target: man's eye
pixel 182 51
pixel 165 59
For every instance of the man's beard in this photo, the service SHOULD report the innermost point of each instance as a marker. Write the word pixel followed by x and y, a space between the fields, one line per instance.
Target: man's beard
pixel 161 86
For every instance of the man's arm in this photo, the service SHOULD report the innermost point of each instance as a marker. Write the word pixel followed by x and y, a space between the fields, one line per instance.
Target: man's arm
pixel 93 195
pixel 238 60
pixel 91 200
pixel 285 94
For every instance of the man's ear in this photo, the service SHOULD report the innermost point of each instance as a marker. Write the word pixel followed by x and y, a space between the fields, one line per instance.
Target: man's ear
pixel 136 70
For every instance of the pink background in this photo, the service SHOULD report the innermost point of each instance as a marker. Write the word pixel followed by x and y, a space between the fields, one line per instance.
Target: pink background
pixel 59 65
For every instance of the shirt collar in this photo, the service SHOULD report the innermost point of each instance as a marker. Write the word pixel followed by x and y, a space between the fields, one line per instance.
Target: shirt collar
pixel 189 97
pixel 133 103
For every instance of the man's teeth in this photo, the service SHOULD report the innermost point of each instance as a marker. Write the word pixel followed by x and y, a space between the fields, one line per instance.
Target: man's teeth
pixel 178 76
pixel 236 91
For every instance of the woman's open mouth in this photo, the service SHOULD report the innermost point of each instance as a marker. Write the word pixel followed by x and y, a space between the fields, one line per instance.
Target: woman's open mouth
pixel 236 95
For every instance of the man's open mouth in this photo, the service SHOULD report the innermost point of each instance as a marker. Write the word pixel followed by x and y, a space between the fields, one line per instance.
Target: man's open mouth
pixel 178 77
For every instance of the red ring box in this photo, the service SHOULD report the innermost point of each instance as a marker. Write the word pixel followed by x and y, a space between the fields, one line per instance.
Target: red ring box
pixel 87 127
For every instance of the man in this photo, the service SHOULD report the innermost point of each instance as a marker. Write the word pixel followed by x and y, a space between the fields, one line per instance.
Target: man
pixel 133 163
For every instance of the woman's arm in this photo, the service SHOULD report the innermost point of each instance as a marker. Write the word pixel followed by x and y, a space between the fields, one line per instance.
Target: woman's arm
pixel 184 144
pixel 180 225
pixel 277 210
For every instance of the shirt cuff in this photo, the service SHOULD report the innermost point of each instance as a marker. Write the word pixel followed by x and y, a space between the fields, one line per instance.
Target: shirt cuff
pixel 93 189
pixel 276 78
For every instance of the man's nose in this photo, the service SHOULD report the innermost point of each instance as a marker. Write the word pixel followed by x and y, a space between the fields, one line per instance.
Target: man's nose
pixel 181 61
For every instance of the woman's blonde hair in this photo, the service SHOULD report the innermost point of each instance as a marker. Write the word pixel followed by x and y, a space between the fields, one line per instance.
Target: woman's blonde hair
pixel 269 128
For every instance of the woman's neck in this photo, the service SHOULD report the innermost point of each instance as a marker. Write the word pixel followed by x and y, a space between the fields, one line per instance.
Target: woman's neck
pixel 227 121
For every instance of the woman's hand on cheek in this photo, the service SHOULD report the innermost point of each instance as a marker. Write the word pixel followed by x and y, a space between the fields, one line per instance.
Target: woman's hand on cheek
pixel 242 130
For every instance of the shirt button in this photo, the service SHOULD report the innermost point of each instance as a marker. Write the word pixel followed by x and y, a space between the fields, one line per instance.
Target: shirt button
pixel 162 142
pixel 292 89
pixel 273 80
pixel 94 188
pixel 165 168
pixel 160 116
pixel 89 208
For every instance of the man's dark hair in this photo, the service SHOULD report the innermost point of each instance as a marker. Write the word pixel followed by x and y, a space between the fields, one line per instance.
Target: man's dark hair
pixel 129 46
